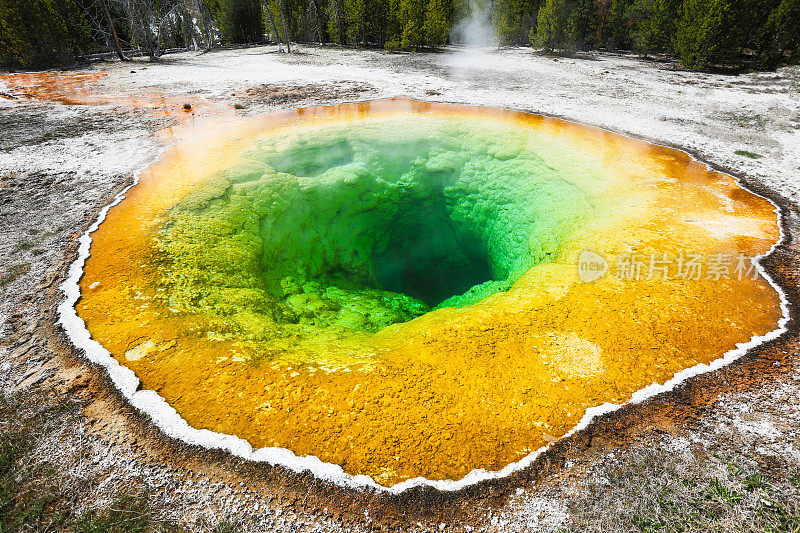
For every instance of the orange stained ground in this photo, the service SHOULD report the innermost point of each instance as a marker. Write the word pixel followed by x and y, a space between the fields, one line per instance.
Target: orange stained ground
pixel 456 389
pixel 88 88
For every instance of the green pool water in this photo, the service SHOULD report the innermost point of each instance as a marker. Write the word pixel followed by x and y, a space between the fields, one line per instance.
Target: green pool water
pixel 356 226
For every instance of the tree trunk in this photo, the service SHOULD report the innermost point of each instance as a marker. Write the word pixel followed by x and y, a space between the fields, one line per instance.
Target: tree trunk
pixel 117 46
pixel 148 39
pixel 318 17
pixel 165 20
pixel 206 26
pixel 337 4
pixel 272 23
pixel 181 26
pixel 188 27
pixel 286 36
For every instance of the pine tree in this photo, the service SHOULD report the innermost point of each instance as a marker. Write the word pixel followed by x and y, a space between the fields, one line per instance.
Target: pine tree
pixel 620 35
pixel 412 13
pixel 784 27
pixel 41 33
pixel 381 21
pixel 394 25
pixel 438 17
pixel 652 25
pixel 551 26
pixel 702 36
pixel 770 28
pixel 513 20
pixel 367 21
pixel 315 12
pixel 582 24
pixel 337 21
pixel 603 23
pixel 357 13
pixel 240 21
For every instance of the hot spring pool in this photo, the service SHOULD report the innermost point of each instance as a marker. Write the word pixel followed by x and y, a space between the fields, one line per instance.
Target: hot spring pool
pixel 392 286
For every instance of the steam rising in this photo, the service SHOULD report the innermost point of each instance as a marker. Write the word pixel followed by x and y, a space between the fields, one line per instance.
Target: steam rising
pixel 475 37
pixel 475 31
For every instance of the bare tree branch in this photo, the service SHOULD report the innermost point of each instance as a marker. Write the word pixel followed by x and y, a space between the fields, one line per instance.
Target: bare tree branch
pixel 272 23
pixel 110 21
pixel 165 18
pixel 318 18
pixel 286 35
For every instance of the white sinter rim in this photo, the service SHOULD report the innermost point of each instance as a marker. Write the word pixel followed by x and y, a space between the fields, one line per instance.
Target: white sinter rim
pixel 167 419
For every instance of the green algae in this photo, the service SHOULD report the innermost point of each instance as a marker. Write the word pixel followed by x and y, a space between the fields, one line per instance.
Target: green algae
pixel 357 226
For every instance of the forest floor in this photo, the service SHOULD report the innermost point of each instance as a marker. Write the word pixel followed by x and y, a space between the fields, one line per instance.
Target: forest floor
pixel 722 452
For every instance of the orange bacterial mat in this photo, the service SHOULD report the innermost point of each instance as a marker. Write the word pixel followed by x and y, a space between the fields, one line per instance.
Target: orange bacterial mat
pixel 408 289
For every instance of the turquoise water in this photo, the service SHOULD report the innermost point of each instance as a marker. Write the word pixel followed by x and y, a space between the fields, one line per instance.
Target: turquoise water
pixel 366 224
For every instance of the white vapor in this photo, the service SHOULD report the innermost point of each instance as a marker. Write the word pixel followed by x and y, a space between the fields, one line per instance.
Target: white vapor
pixel 476 29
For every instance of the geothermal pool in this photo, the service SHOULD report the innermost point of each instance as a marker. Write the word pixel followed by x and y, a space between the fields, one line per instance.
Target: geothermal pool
pixel 395 286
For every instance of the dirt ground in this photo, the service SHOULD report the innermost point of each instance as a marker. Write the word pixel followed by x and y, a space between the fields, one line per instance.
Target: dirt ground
pixel 692 456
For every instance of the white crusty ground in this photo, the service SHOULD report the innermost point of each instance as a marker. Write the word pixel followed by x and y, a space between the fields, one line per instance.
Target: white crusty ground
pixel 712 114
pixel 709 114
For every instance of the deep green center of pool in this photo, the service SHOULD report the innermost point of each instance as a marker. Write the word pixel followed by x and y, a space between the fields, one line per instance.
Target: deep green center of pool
pixel 360 225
